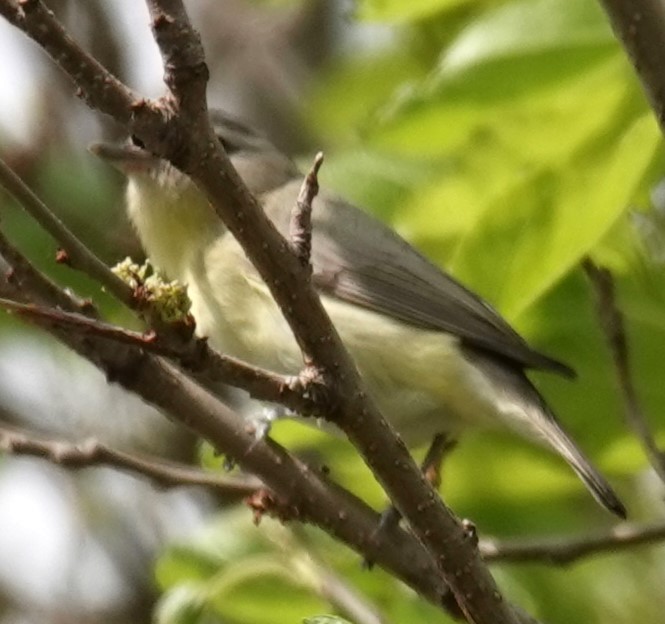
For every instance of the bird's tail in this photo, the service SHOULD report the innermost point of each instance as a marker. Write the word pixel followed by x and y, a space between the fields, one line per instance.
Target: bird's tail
pixel 524 410
pixel 561 442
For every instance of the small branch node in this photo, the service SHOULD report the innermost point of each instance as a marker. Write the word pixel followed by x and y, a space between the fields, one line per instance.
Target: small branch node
pixel 264 502
pixel 62 257
pixel 470 531
pixel 312 385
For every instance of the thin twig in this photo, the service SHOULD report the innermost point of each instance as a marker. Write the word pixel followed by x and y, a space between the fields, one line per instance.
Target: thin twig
pixel 300 227
pixel 565 549
pixel 78 255
pixel 431 465
pixel 612 324
pixel 559 550
pixel 19 282
pixel 90 453
pixel 84 325
pixel 37 21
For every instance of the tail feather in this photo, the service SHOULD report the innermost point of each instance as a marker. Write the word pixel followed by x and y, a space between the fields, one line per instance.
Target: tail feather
pixel 596 484
pixel 524 410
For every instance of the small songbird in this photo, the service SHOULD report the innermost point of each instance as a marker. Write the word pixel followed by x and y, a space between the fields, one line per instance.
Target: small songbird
pixel 434 356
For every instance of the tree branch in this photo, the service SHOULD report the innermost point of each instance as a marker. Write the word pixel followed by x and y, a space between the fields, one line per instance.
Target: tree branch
pixel 303 493
pixel 640 25
pixel 611 322
pixel 90 452
pixel 565 549
pixel 77 254
pixel 353 410
pixel 197 357
pixel 559 550
pixel 178 129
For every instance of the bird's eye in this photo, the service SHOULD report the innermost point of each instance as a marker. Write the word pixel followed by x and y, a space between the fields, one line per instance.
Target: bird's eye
pixel 136 141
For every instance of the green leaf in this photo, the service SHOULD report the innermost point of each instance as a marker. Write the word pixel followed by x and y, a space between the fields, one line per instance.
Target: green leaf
pixel 548 122
pixel 347 96
pixel 186 563
pixel 507 55
pixel 374 180
pixel 536 233
pixel 546 131
pixel 527 28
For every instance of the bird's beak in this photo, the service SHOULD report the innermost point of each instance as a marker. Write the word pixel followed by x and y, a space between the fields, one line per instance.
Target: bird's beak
pixel 125 157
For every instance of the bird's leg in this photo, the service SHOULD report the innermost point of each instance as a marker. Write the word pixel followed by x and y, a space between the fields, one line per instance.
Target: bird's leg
pixel 440 446
pixel 431 467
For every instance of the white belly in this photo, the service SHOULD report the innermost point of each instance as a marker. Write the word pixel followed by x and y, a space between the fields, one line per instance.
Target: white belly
pixel 420 379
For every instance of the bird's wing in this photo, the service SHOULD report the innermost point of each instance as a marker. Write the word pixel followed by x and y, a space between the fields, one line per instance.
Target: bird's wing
pixel 357 259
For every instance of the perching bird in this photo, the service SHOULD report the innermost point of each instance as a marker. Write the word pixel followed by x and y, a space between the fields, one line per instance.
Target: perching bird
pixel 434 356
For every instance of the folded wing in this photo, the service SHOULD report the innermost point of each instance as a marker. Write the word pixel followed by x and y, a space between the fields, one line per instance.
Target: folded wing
pixel 357 259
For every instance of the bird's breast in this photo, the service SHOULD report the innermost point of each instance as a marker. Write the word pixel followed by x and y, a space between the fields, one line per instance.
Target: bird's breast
pixel 420 379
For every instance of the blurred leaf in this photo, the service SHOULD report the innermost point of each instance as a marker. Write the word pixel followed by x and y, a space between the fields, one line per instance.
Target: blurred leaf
pixel 548 118
pixel 508 146
pixel 325 619
pixel 379 181
pixel 179 564
pixel 521 63
pixel 254 594
pixel 401 11
pixel 527 28
pixel 517 49
pixel 182 605
pixel 545 227
pixel 237 573
pixel 344 100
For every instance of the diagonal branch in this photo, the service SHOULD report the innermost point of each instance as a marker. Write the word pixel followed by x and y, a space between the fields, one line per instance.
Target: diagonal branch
pixel 178 128
pixel 353 409
pixel 311 496
pixel 612 324
pixel 78 255
pixel 640 25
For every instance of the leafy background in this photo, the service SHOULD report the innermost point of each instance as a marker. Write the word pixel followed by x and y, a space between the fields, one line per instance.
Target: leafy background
pixel 507 140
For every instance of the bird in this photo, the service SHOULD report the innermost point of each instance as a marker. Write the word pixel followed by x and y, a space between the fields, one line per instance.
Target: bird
pixel 435 356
